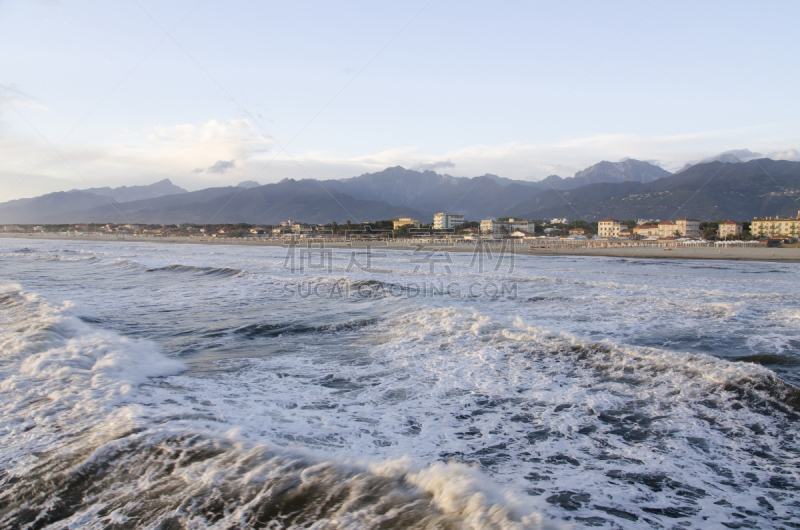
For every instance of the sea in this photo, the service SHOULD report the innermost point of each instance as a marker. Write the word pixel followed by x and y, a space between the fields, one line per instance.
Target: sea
pixel 153 385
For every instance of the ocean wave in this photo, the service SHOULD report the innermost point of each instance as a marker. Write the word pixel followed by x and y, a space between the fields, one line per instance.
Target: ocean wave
pixel 650 364
pixel 293 328
pixel 157 480
pixel 768 359
pixel 59 257
pixel 60 376
pixel 221 272
pixel 85 447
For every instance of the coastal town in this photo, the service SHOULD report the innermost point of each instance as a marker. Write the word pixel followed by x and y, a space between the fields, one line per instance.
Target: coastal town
pixel 453 227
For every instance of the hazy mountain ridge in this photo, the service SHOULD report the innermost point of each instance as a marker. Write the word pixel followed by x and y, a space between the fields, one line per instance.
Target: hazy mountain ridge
pixel 622 171
pixel 716 190
pixel 137 193
pixel 738 190
pixel 304 200
pixel 36 209
pixel 395 185
pixel 736 156
pixel 428 192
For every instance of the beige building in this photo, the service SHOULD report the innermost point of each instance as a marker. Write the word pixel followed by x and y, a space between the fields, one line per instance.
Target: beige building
pixel 489 227
pixel 729 229
pixel 688 227
pixel 406 221
pixel 447 220
pixel 608 227
pixel 684 227
pixel 776 227
pixel 646 230
pixel 668 229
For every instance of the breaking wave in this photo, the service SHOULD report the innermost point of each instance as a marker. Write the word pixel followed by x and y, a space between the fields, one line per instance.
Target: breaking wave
pixel 83 446
pixel 221 272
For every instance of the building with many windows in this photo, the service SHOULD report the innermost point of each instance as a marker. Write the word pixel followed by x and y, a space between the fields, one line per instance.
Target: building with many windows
pixel 496 228
pixel 608 227
pixel 490 226
pixel 447 220
pixel 688 227
pixel 775 227
pixel 646 230
pixel 406 221
pixel 729 229
pixel 668 229
pixel 684 227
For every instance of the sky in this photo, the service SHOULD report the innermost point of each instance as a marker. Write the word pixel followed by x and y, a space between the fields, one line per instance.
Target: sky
pixel 209 93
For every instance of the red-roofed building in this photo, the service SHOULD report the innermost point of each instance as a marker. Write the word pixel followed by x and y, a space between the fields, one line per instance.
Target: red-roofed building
pixel 646 230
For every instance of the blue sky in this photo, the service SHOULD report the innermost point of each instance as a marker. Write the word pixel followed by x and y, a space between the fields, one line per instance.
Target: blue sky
pixel 336 89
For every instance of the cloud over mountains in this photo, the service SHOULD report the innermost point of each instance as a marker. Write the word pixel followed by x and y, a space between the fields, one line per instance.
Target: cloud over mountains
pixel 219 167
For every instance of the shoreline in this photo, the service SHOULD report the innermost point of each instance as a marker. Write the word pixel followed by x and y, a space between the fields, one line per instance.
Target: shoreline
pixel 791 255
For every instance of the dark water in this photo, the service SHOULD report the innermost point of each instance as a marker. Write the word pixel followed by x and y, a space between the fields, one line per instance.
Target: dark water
pixel 173 386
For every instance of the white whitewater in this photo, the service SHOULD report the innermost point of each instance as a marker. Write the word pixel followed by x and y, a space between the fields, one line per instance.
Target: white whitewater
pixel 188 386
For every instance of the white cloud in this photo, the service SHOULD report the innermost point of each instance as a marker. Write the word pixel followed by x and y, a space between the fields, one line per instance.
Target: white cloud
pixel 222 166
pixel 527 161
pixel 433 166
pixel 142 158
pixel 792 155
pixel 217 153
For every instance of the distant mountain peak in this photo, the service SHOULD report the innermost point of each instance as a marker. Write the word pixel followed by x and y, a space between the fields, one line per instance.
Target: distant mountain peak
pixel 734 156
pixel 626 170
pixel 136 193
pixel 248 184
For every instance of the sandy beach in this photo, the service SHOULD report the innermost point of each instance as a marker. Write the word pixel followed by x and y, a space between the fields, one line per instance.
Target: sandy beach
pixel 635 252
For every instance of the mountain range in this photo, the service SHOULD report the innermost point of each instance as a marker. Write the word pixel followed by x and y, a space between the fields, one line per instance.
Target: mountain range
pixel 628 170
pixel 629 189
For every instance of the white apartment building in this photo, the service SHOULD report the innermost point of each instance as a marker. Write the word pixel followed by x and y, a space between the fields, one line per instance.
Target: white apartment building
pixel 447 220
pixel 608 227
pixel 491 227
pixel 729 228
pixel 559 220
